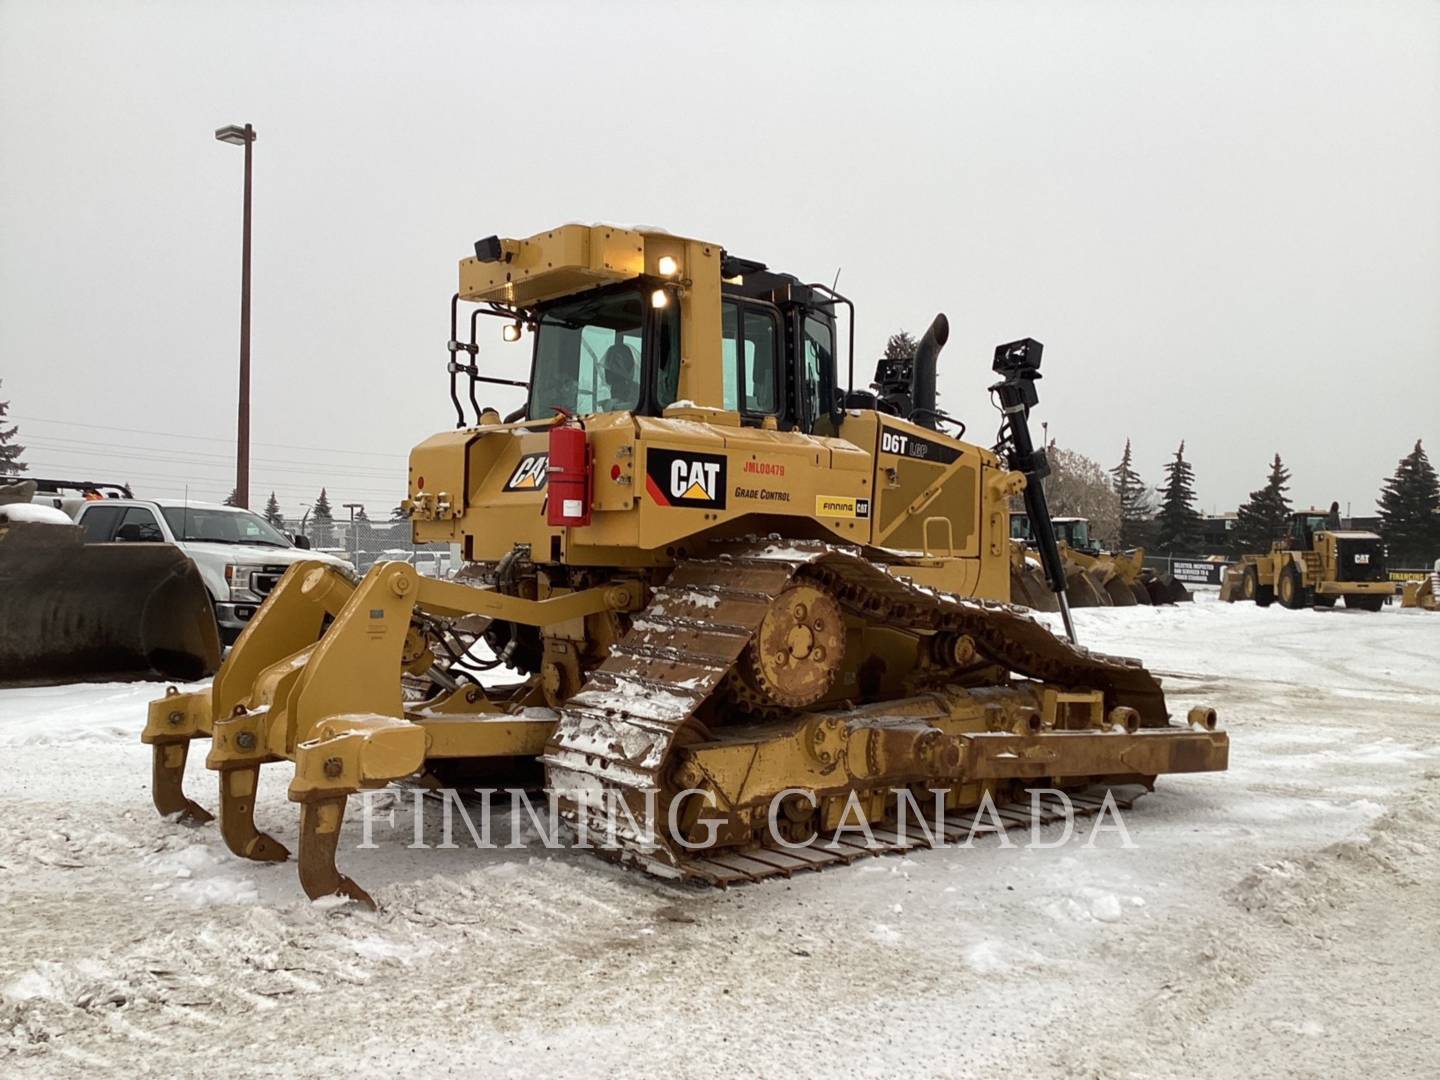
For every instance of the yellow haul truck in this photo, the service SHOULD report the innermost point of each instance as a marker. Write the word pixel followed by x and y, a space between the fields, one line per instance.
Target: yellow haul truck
pixel 1313 565
pixel 748 601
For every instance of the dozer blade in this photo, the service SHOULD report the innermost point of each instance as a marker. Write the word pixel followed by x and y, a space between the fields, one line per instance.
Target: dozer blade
pixel 76 611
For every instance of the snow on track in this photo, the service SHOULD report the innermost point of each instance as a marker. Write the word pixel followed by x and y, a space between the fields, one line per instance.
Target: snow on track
pixel 1275 919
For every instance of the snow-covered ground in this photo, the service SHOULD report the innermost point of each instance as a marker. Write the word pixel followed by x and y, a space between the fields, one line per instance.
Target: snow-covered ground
pixel 1279 919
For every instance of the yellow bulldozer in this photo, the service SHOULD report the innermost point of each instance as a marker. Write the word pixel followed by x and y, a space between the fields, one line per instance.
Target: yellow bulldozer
pixel 739 603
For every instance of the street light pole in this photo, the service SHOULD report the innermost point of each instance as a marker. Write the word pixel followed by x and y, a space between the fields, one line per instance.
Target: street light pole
pixel 245 136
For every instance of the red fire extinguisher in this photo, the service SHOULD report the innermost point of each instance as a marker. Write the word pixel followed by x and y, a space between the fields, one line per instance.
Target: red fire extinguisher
pixel 568 475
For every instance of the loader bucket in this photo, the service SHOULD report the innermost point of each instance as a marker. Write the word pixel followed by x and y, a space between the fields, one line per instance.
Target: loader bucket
pixel 1083 591
pixel 1029 588
pixel 1419 594
pixel 1121 594
pixel 76 611
pixel 1165 589
pixel 1232 585
pixel 1141 593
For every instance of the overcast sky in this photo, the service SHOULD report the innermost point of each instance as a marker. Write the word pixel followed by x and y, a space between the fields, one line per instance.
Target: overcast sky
pixel 1223 220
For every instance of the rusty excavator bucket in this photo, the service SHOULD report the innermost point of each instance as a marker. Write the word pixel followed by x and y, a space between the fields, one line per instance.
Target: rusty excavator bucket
pixel 75 611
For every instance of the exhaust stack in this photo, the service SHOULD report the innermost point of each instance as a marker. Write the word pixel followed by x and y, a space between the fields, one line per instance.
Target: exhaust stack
pixel 922 375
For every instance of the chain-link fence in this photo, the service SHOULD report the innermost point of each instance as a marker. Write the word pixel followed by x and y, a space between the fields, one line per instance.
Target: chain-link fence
pixel 367 542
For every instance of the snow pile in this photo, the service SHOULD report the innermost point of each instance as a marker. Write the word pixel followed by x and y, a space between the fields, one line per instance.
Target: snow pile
pixel 34 514
pixel 1294 891
pixel 87 712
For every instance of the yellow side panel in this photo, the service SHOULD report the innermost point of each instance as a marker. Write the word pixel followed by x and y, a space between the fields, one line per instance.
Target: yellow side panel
pixel 909 461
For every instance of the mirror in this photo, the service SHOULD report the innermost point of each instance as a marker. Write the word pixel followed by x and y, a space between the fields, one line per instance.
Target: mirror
pixel 302 541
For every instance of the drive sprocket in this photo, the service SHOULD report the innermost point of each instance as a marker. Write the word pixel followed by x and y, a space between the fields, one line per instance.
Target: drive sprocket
pixel 795 656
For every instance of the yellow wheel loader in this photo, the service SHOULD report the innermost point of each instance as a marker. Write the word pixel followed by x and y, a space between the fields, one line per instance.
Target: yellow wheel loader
pixel 1094 577
pixel 742 605
pixel 71 610
pixel 1313 565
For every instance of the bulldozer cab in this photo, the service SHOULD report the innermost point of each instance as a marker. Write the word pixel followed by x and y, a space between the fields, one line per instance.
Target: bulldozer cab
pixel 618 350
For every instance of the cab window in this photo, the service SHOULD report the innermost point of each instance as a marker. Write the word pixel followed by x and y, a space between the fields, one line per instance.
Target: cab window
pixel 139 526
pixel 100 522
pixel 587 356
pixel 729 336
pixel 758 364
pixel 667 356
pixel 750 337
pixel 817 377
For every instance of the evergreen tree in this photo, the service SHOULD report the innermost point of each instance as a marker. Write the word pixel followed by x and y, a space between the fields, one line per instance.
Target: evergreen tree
pixel 272 512
pixel 322 521
pixel 1263 517
pixel 10 451
pixel 901 346
pixel 1135 508
pixel 1177 525
pixel 233 499
pixel 1410 511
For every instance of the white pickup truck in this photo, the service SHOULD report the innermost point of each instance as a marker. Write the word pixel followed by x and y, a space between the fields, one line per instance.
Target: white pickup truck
pixel 240 555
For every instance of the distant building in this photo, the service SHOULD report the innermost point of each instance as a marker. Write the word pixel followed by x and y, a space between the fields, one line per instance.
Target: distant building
pixel 1217 534
pixel 1361 524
